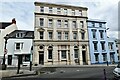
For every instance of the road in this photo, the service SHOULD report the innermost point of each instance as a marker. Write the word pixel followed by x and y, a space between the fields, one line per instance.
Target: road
pixel 82 73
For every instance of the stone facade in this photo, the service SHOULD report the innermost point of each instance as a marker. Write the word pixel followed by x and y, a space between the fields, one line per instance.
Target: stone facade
pixel 60 35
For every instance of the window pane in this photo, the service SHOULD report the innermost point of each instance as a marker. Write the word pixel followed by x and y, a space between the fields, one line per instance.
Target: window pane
pixel 49 54
pixel 66 35
pixel 75 35
pixel 41 35
pixel 58 10
pixel 65 11
pixel 41 9
pixel 80 12
pixel 95 46
pixel 104 57
pixel 73 12
pixel 81 24
pixel 41 21
pixel 50 35
pixel 59 35
pixel 66 24
pixel 50 23
pixel 63 54
pixel 50 9
pixel 74 24
pixel 18 46
pixel 82 35
pixel 96 58
pixel 59 23
pixel 27 57
pixel 76 53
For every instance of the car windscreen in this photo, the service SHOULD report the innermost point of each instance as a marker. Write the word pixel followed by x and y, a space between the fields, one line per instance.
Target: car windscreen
pixel 118 66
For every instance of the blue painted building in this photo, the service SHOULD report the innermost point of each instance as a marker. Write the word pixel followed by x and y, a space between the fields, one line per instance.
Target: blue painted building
pixel 102 49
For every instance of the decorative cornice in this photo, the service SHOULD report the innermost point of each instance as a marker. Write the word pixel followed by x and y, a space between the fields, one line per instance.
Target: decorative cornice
pixel 40 29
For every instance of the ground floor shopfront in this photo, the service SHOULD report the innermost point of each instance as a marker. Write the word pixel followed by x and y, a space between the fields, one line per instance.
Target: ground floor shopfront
pixel 61 53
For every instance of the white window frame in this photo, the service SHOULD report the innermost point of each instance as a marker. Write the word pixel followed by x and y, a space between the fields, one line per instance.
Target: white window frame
pixel 41 21
pixel 59 23
pixel 41 35
pixel 63 55
pixel 80 12
pixel 73 12
pixel 50 9
pixel 82 36
pixel 20 46
pixel 74 24
pixel 75 35
pixel 65 12
pixel 104 56
pixel 66 24
pixel 81 24
pixel 96 57
pixel 50 36
pixel 41 9
pixel 50 23
pixel 59 35
pixel 58 10
pixel 66 35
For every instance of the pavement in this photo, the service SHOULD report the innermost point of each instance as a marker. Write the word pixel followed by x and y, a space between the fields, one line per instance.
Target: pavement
pixel 12 70
pixel 13 73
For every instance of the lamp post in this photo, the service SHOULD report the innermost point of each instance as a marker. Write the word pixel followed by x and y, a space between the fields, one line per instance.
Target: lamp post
pixel 5 52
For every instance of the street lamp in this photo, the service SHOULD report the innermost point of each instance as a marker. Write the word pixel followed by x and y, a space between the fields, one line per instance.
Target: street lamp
pixel 5 52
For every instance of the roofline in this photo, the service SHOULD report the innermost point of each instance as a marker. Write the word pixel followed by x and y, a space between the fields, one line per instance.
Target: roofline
pixel 63 5
pixel 96 20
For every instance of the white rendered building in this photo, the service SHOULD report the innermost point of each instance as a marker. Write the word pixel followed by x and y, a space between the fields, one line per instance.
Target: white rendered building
pixel 19 44
pixel 5 28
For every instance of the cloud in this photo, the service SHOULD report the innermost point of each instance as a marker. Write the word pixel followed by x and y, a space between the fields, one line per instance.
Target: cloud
pixel 23 11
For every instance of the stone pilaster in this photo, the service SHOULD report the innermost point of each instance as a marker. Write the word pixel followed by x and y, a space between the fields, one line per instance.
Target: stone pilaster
pixel 55 55
pixel 80 55
pixel 35 55
pixel 88 55
pixel 45 54
pixel 72 55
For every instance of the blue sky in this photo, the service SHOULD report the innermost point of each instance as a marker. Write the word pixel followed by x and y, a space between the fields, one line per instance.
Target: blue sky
pixel 23 11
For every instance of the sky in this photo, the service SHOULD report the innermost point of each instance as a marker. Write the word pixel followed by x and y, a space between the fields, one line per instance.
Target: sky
pixel 23 12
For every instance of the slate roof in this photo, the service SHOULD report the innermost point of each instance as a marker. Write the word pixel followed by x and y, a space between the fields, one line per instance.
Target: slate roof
pixel 26 34
pixel 3 25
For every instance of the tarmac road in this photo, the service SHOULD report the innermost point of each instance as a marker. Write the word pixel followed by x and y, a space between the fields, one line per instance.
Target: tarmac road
pixel 82 73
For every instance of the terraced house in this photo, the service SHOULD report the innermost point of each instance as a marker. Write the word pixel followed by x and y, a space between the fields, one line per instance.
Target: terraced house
pixel 60 35
pixel 102 48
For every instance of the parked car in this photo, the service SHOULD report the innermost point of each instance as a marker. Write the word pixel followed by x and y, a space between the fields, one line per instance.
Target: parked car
pixel 116 71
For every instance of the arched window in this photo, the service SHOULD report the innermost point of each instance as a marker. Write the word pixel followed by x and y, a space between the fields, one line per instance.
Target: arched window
pixel 50 48
pixel 41 47
pixel 75 51
pixel 83 46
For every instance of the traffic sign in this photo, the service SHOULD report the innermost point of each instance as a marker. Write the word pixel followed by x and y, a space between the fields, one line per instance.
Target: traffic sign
pixel 5 51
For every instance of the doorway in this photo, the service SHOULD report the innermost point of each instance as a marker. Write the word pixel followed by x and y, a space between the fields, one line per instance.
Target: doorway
pixel 84 57
pixel 41 59
pixel 9 59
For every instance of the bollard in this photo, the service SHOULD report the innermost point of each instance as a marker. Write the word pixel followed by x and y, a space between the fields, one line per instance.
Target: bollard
pixel 30 65
pixel 107 63
pixel 18 65
pixel 105 74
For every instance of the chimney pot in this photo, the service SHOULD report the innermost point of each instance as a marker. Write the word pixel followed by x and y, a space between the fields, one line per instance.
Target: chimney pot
pixel 13 21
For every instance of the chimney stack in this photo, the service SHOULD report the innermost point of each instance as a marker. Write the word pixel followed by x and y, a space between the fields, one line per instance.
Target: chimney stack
pixel 13 21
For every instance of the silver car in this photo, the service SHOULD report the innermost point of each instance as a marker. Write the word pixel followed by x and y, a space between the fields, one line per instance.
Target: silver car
pixel 116 72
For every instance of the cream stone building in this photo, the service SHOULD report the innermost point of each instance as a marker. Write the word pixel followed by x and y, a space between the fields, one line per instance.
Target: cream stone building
pixel 60 35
